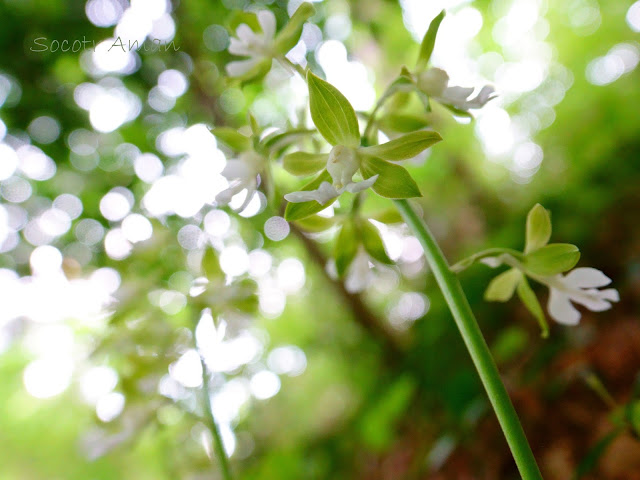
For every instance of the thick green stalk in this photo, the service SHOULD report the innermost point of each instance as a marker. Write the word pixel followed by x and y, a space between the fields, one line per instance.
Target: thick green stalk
pixel 218 446
pixel 478 349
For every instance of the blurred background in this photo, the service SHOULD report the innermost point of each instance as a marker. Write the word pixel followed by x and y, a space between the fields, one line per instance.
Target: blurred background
pixel 114 259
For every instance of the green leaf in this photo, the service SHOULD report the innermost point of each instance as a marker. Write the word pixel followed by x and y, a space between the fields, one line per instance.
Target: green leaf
pixel 316 223
pixel 407 146
pixel 276 142
pixel 346 247
pixel 530 301
pixel 590 460
pixel 552 259
pixel 538 228
pixel 232 138
pixel 502 287
pixel 303 163
pixel 290 34
pixel 332 113
pixel 429 41
pixel 393 181
pixel 259 71
pixel 388 216
pixel 372 242
pixel 210 264
pixel 398 122
pixel 297 211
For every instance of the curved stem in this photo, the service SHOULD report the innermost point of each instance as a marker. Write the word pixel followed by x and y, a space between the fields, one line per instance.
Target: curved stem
pixel 476 345
pixel 218 446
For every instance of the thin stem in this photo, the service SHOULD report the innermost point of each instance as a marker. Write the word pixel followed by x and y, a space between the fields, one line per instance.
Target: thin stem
pixel 218 446
pixel 294 66
pixel 476 345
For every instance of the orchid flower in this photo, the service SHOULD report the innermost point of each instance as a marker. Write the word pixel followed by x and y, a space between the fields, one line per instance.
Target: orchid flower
pixel 434 82
pixel 255 45
pixel 242 174
pixel 342 164
pixel 262 46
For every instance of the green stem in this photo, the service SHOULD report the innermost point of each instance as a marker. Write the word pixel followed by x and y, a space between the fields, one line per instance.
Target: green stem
pixel 476 345
pixel 218 446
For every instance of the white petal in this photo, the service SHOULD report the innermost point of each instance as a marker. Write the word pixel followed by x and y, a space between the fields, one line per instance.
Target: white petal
pixel 322 195
pixel 610 294
pixel 359 274
pixel 560 308
pixel 236 168
pixel 355 187
pixel 245 34
pixel 238 47
pixel 267 21
pixel 225 196
pixel 587 277
pixel 457 95
pixel 237 69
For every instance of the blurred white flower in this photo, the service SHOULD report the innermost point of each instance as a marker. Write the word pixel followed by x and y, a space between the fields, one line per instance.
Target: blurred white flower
pixel 342 164
pixel 256 46
pixel 242 173
pixel 580 286
pixel 435 83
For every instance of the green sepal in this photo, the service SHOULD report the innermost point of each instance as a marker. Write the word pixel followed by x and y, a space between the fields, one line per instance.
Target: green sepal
pixel 403 123
pixel 389 216
pixel 332 113
pixel 346 247
pixel 316 223
pixel 552 259
pixel 297 211
pixel 393 180
pixel 276 142
pixel 530 301
pixel 372 242
pixel 290 34
pixel 232 138
pixel 402 148
pixel 258 72
pixel 303 163
pixel 429 41
pixel 210 264
pixel 503 286
pixel 538 228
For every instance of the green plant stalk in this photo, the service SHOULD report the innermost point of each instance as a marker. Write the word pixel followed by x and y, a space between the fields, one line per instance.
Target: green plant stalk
pixel 476 345
pixel 218 446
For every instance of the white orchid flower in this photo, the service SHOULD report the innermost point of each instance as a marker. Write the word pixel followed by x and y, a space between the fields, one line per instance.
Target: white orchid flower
pixel 435 83
pixel 257 46
pixel 580 286
pixel 242 174
pixel 359 275
pixel 342 164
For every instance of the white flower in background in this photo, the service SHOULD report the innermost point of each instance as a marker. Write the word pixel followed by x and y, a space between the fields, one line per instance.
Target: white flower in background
pixel 435 83
pixel 359 275
pixel 342 164
pixel 256 46
pixel 580 286
pixel 242 173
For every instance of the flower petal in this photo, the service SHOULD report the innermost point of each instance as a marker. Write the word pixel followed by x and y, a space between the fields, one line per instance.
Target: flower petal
pixel 322 194
pixel 267 21
pixel 238 47
pixel 457 95
pixel 560 308
pixel 587 277
pixel 239 68
pixel 245 34
pixel 596 300
pixel 355 187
